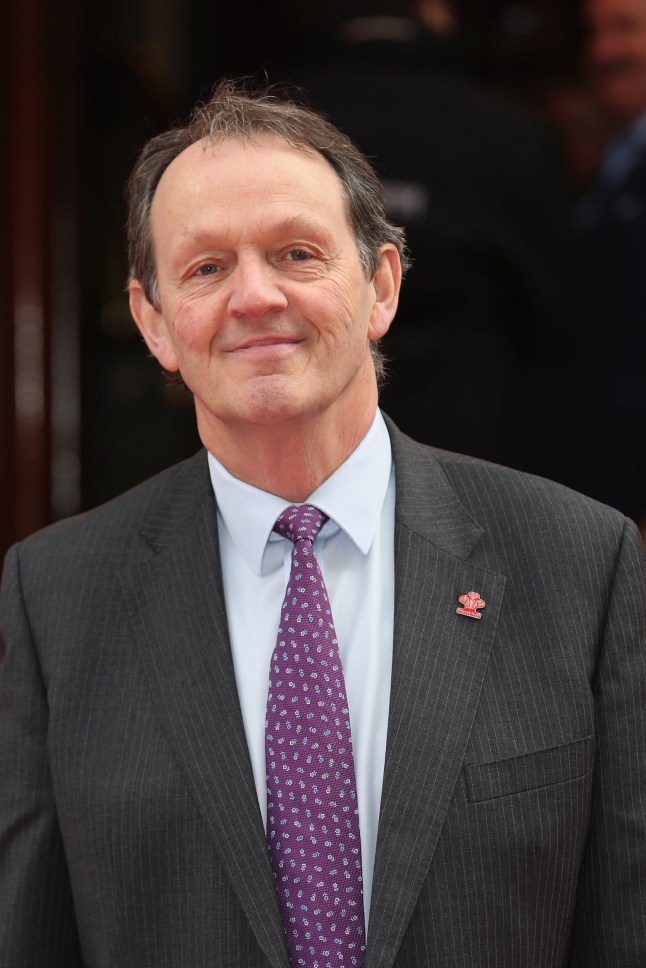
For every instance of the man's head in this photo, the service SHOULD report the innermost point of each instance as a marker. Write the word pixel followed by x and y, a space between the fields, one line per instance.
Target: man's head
pixel 234 113
pixel 617 56
pixel 263 268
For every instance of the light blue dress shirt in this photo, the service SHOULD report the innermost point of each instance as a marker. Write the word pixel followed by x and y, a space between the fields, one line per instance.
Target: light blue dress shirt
pixel 355 550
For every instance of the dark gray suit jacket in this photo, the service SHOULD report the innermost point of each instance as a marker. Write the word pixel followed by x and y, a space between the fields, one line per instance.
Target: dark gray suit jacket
pixel 513 820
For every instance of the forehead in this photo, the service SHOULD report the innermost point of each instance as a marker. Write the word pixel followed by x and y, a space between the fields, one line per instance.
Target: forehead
pixel 237 180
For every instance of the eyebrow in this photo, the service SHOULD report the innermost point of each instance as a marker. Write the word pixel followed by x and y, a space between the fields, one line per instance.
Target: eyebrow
pixel 301 224
pixel 291 225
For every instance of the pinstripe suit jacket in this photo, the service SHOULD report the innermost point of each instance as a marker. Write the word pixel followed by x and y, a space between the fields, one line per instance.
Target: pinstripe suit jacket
pixel 513 820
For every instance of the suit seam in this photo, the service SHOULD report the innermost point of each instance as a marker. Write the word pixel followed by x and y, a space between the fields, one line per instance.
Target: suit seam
pixel 451 554
pixel 450 483
pixel 530 789
pixel 539 752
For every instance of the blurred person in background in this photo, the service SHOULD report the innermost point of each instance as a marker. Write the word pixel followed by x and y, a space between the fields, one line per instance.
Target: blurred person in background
pixel 606 395
pixel 478 184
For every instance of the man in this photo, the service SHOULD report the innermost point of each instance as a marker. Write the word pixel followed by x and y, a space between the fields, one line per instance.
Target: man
pixel 606 390
pixel 492 796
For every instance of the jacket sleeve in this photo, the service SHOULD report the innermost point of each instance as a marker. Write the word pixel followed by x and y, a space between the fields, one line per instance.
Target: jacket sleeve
pixel 37 926
pixel 610 923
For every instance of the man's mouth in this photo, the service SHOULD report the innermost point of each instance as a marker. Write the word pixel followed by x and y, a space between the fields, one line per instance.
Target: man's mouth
pixel 266 344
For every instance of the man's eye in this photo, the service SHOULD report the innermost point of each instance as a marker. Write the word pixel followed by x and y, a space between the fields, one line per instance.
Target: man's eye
pixel 298 255
pixel 207 270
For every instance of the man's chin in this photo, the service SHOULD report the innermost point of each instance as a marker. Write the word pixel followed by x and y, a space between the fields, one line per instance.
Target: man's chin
pixel 268 404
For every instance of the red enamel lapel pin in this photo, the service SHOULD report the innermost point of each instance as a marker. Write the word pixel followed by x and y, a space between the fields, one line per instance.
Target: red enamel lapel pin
pixel 471 603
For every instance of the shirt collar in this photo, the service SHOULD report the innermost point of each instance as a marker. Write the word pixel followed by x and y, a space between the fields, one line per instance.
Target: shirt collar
pixel 352 498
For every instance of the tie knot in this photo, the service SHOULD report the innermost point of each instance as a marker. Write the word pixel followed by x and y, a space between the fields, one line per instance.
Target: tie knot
pixel 300 522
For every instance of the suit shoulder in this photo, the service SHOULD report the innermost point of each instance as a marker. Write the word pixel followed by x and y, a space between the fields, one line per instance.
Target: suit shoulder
pixel 505 500
pixel 111 527
pixel 492 491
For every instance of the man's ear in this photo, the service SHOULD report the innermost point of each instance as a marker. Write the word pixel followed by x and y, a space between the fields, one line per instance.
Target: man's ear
pixel 387 282
pixel 152 327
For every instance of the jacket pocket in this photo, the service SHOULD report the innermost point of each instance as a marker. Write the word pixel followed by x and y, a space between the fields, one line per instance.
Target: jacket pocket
pixel 544 768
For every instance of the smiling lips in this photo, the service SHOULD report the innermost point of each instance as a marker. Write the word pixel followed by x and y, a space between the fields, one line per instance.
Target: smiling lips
pixel 262 343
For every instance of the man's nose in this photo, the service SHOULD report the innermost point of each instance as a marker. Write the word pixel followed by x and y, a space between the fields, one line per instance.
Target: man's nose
pixel 255 291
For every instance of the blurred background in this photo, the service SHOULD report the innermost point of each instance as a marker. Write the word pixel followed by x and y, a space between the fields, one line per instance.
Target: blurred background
pixel 503 150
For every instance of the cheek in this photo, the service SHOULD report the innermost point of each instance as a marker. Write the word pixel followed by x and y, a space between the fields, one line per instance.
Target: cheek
pixel 192 327
pixel 344 310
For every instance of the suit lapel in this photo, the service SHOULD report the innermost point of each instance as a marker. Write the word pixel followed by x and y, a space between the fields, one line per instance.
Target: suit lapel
pixel 439 661
pixel 177 609
pixel 176 604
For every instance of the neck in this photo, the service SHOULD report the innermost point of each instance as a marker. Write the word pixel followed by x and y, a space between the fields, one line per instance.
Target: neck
pixel 292 458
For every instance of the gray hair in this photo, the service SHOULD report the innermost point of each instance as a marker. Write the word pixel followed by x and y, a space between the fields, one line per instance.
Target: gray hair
pixel 238 113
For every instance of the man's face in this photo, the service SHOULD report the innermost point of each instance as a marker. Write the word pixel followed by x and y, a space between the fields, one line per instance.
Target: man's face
pixel 265 308
pixel 617 56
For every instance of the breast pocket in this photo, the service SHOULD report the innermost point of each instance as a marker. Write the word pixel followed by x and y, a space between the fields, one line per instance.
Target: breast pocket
pixel 532 771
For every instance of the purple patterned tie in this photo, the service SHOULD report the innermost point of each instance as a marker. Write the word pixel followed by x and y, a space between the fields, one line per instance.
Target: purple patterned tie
pixel 312 812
